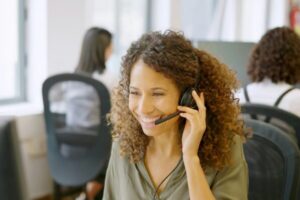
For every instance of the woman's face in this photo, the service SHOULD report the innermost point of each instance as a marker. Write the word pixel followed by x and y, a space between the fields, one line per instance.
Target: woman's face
pixel 152 96
pixel 108 51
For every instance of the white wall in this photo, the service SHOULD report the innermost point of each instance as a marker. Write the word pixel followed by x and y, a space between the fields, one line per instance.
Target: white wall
pixel 165 15
pixel 66 27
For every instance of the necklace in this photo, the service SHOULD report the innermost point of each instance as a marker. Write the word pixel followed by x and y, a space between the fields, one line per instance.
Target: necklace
pixel 156 191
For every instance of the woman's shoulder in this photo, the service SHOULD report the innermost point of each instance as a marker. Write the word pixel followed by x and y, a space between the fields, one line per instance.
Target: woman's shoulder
pixel 115 148
pixel 291 102
pixel 237 156
pixel 295 92
pixel 237 152
pixel 294 96
pixel 116 154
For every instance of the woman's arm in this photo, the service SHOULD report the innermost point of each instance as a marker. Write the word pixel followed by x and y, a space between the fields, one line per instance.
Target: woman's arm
pixel 229 183
pixel 198 186
pixel 192 135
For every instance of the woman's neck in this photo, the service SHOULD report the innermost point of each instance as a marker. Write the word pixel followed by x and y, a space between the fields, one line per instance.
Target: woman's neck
pixel 166 145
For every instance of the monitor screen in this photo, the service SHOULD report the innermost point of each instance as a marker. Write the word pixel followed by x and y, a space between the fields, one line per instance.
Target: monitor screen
pixel 234 54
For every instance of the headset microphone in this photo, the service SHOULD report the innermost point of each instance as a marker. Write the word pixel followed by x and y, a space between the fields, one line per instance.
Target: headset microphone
pixel 185 100
pixel 166 118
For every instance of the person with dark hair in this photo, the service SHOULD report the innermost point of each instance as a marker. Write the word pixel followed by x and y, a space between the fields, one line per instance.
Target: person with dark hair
pixel 175 125
pixel 274 67
pixel 96 49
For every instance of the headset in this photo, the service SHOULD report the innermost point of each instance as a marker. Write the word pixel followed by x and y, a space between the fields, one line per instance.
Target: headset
pixel 186 99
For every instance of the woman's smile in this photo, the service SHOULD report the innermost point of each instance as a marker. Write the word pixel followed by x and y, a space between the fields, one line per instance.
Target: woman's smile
pixel 148 122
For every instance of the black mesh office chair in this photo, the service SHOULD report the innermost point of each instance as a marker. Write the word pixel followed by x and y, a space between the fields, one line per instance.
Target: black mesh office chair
pixel 273 161
pixel 78 137
pixel 287 121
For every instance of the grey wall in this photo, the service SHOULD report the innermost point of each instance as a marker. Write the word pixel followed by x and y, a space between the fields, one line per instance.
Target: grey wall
pixel 234 54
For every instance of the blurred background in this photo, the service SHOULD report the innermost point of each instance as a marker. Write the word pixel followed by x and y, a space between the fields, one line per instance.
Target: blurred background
pixel 40 38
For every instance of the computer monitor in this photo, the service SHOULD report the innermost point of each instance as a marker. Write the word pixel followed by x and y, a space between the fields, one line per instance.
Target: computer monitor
pixel 234 54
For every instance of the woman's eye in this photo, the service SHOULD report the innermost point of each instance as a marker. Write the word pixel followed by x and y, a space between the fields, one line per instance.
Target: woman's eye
pixel 158 94
pixel 133 93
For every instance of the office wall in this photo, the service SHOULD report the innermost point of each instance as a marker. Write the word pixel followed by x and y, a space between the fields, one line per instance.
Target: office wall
pixel 66 25
pixel 165 15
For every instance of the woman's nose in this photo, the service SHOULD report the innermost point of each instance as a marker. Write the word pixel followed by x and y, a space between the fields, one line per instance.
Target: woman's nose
pixel 145 105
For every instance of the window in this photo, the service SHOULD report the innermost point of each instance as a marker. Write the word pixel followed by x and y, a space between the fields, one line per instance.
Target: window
pixel 12 59
pixel 127 19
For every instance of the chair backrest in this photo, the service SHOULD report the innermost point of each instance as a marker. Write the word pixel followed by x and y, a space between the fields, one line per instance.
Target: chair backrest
pixel 78 137
pixel 280 117
pixel 273 161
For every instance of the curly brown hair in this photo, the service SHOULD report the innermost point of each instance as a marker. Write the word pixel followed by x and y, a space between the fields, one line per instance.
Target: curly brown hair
pixel 276 56
pixel 173 55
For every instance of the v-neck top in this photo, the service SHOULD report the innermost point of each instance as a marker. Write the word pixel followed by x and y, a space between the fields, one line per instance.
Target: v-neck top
pixel 131 181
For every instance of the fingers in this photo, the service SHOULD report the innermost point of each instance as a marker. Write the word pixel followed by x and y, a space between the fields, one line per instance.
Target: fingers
pixel 199 100
pixel 190 113
pixel 187 109
pixel 187 116
pixel 194 119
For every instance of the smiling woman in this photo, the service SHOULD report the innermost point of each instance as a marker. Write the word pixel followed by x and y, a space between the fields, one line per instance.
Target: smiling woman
pixel 195 154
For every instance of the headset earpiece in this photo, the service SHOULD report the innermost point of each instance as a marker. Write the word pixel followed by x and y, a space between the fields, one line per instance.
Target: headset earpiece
pixel 187 99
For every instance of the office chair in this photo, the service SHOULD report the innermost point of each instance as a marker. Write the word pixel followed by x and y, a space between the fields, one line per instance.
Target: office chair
pixel 285 120
pixel 273 162
pixel 77 151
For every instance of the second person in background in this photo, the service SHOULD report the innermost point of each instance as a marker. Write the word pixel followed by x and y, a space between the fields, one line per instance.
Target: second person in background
pixel 274 69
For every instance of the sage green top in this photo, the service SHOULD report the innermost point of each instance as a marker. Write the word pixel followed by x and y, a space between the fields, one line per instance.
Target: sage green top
pixel 129 181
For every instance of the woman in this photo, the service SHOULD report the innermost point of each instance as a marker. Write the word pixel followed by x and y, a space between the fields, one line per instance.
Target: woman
pixel 82 99
pixel 96 49
pixel 194 155
pixel 273 69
